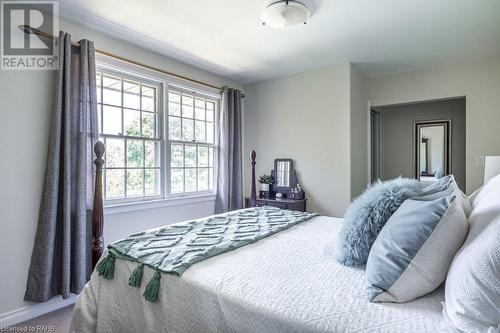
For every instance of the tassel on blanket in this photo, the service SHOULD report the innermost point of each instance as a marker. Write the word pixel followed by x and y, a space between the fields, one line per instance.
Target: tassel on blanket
pixel 106 267
pixel 153 288
pixel 135 278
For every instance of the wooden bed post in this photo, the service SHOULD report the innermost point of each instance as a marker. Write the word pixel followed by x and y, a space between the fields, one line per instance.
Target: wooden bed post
pixel 97 213
pixel 253 191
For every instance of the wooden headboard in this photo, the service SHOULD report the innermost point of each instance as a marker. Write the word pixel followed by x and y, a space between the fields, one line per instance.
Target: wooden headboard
pixel 97 212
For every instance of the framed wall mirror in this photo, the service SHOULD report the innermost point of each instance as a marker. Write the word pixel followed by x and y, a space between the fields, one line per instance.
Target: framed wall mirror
pixel 432 149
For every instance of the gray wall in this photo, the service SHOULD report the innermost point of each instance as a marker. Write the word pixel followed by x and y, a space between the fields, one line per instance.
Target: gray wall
pixel 305 117
pixel 397 136
pixel 478 81
pixel 359 132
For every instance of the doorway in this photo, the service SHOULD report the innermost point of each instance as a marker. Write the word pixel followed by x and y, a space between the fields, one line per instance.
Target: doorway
pixel 394 151
pixel 375 132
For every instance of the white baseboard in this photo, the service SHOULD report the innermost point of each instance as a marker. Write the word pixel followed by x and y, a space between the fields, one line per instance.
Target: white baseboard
pixel 34 310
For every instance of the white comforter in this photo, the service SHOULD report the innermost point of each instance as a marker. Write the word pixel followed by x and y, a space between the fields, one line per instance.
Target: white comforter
pixel 289 282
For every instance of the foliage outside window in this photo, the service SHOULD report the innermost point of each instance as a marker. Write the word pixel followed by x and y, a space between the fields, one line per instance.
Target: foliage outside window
pixel 191 128
pixel 138 138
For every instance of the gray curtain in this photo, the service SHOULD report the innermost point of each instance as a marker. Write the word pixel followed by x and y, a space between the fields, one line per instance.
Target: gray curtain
pixel 229 175
pixel 61 258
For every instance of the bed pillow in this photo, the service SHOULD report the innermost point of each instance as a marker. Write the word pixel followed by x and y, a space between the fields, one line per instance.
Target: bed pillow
pixel 439 185
pixel 472 291
pixel 447 183
pixel 414 250
pixel 367 215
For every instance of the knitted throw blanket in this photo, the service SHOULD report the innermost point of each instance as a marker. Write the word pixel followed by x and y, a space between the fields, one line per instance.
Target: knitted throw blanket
pixel 173 249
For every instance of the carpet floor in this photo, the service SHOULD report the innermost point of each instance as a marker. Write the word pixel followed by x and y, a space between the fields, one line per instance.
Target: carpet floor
pixel 56 322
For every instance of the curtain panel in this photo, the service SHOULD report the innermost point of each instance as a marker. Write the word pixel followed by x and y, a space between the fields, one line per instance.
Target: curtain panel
pixel 229 175
pixel 61 257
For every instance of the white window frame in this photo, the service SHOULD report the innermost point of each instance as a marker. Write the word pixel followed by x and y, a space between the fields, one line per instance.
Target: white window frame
pixel 169 142
pixel 165 81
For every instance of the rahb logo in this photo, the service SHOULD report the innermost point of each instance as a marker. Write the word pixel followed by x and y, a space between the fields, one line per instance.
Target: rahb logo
pixel 22 45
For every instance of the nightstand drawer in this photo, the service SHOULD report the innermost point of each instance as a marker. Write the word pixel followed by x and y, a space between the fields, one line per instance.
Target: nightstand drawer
pixel 292 204
pixel 273 204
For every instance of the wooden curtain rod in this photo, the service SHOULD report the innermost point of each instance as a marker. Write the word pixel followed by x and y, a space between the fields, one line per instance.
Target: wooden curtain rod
pixel 29 30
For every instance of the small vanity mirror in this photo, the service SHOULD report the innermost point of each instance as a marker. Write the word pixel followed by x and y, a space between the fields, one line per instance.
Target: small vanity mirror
pixel 283 168
pixel 284 176
pixel 432 149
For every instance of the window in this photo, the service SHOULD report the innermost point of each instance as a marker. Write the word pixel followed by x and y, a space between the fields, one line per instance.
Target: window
pixel 151 153
pixel 191 128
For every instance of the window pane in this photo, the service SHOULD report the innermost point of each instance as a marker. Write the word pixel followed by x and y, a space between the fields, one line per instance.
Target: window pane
pixel 131 87
pixel 174 97
pixel 177 181
pixel 148 125
pixel 187 106
pixel 132 122
pixel 111 82
pixel 134 182
pixel 203 179
pixel 174 109
pixel 211 179
pixel 199 109
pixel 148 91
pixel 187 130
pixel 113 97
pixel 210 105
pixel 131 96
pixel 210 156
pixel 115 183
pixel 190 156
pixel 98 79
pixel 190 180
pixel 210 111
pixel 174 128
pixel 115 152
pixel 200 131
pixel 152 182
pixel 99 117
pixel 199 114
pixel 148 103
pixel 202 156
pixel 112 120
pixel 177 156
pixel 135 153
pixel 199 103
pixel 210 133
pixel 151 154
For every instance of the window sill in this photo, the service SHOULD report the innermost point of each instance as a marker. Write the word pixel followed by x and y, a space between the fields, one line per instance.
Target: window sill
pixel 152 204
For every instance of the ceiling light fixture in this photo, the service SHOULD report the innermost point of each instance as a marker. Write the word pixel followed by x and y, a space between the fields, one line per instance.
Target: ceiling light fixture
pixel 285 14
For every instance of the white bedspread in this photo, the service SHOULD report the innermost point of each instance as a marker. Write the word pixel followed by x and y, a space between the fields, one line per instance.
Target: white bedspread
pixel 289 282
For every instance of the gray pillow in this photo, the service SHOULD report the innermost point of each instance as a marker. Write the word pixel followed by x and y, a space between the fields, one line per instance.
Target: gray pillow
pixel 414 250
pixel 367 215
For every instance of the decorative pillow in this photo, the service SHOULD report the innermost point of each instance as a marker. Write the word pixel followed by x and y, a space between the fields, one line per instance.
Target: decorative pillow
pixel 367 215
pixel 445 183
pixel 472 291
pixel 412 253
pixel 439 185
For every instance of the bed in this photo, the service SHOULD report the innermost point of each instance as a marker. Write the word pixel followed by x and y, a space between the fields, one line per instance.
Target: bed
pixel 288 282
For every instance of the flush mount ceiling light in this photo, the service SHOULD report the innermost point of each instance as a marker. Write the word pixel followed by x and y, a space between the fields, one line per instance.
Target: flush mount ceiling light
pixel 285 14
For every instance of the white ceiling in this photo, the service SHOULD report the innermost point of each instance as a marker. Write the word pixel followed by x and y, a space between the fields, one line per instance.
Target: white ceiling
pixel 225 36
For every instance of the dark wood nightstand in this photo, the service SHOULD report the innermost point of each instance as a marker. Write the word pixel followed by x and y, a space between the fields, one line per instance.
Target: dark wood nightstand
pixel 292 204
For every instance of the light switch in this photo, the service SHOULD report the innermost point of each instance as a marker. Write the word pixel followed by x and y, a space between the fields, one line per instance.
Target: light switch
pixel 479 161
